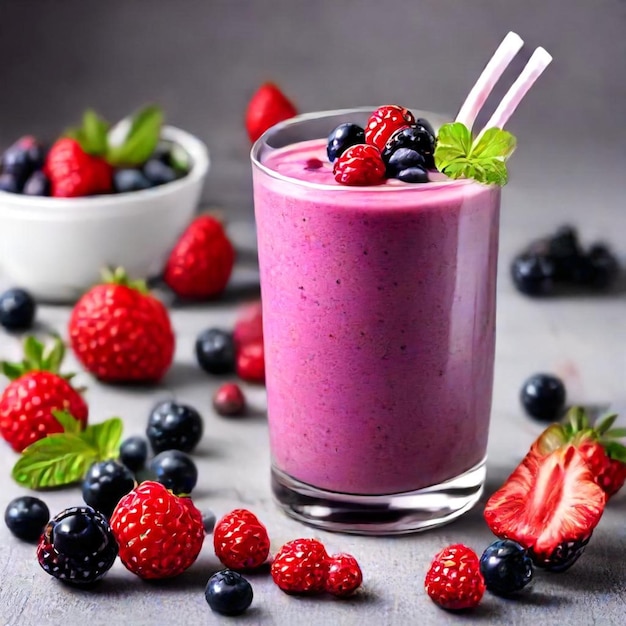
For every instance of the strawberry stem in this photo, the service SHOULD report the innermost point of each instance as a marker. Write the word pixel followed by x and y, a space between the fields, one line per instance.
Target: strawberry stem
pixel 119 276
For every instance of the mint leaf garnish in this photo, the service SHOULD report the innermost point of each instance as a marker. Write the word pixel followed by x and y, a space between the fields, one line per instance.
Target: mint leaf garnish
pixel 70 424
pixel 94 133
pixel 140 140
pixel 64 458
pixel 458 155
pixel 54 461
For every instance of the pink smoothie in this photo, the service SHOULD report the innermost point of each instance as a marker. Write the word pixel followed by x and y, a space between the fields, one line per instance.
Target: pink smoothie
pixel 379 324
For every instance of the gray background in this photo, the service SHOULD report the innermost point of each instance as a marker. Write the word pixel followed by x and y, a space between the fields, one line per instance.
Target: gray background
pixel 202 61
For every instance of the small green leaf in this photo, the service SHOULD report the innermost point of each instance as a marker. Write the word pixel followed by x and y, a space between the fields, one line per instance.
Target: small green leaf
pixel 180 159
pixel 11 370
pixel 104 438
pixel 54 461
pixel 141 140
pixel 93 137
pixel 615 433
pixel 53 355
pixel 484 160
pixel 33 352
pixel 70 424
pixel 615 451
pixel 605 424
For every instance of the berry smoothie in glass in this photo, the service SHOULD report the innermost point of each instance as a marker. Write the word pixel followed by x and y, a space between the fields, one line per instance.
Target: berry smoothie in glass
pixel 378 289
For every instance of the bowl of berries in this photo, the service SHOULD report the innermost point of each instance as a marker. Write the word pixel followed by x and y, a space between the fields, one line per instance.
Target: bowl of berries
pixel 98 196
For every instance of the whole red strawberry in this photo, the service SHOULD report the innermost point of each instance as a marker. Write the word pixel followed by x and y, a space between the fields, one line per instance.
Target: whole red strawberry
pixel 120 333
pixel 301 566
pixel 267 107
pixel 360 165
pixel 454 581
pixel 240 540
pixel 202 260
pixel 159 534
pixel 550 505
pixel 35 390
pixel 384 122
pixel 344 575
pixel 599 445
pixel 73 172
pixel 250 363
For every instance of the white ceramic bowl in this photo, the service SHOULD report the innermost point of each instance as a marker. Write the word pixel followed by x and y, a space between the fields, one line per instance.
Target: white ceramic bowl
pixel 56 247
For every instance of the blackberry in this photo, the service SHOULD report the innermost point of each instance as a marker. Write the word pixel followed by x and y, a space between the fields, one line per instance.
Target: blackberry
pixel 26 517
pixel 77 546
pixel 105 484
pixel 173 426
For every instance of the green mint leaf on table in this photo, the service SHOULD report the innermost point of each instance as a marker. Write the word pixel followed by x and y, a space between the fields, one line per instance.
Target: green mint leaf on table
pixel 459 155
pixel 64 458
pixel 140 140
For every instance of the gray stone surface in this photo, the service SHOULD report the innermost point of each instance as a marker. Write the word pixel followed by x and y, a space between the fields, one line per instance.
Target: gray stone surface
pixel 202 60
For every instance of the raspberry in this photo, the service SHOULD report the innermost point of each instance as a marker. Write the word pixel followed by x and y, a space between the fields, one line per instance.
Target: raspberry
pixel 359 165
pixel 160 535
pixel 454 581
pixel 344 575
pixel 384 122
pixel 240 540
pixel 251 362
pixel 301 566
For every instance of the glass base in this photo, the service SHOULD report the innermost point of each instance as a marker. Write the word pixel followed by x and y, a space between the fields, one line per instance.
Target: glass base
pixel 392 514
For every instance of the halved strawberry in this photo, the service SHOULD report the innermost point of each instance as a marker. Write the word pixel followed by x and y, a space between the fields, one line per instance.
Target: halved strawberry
pixel 550 505
pixel 599 444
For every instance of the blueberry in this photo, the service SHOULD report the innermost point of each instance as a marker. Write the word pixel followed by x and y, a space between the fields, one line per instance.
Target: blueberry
pixel 413 175
pixel 506 567
pixel 565 252
pixel 424 123
pixel 173 426
pixel 208 521
pixel 26 517
pixel 133 453
pixel 175 470
pixel 37 184
pixel 17 309
pixel 215 351
pixel 77 546
pixel 228 593
pixel 105 483
pixel 158 173
pixel 402 159
pixel 342 138
pixel 533 274
pixel 8 182
pixel 416 138
pixel 22 158
pixel 125 180
pixel 543 397
pixel 601 267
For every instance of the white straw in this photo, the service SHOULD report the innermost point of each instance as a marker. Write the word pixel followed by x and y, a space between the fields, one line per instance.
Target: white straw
pixel 533 70
pixel 500 60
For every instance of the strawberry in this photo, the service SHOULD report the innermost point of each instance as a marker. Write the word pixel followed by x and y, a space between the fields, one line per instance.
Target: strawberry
pixel 267 107
pixel 202 260
pixel 249 324
pixel 73 172
pixel 301 566
pixel 120 333
pixel 550 505
pixel 35 390
pixel 454 581
pixel 159 534
pixel 240 540
pixel 384 122
pixel 344 575
pixel 250 362
pixel 598 444
pixel 359 165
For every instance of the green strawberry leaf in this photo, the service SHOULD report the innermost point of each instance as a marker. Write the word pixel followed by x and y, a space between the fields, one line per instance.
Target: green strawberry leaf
pixel 104 438
pixel 11 370
pixel 141 139
pixel 459 156
pixel 94 133
pixel 615 433
pixel 33 351
pixel 615 451
pixel 53 356
pixel 70 424
pixel 605 424
pixel 54 461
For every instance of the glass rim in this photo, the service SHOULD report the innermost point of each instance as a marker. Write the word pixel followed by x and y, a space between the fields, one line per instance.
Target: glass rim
pixel 305 117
